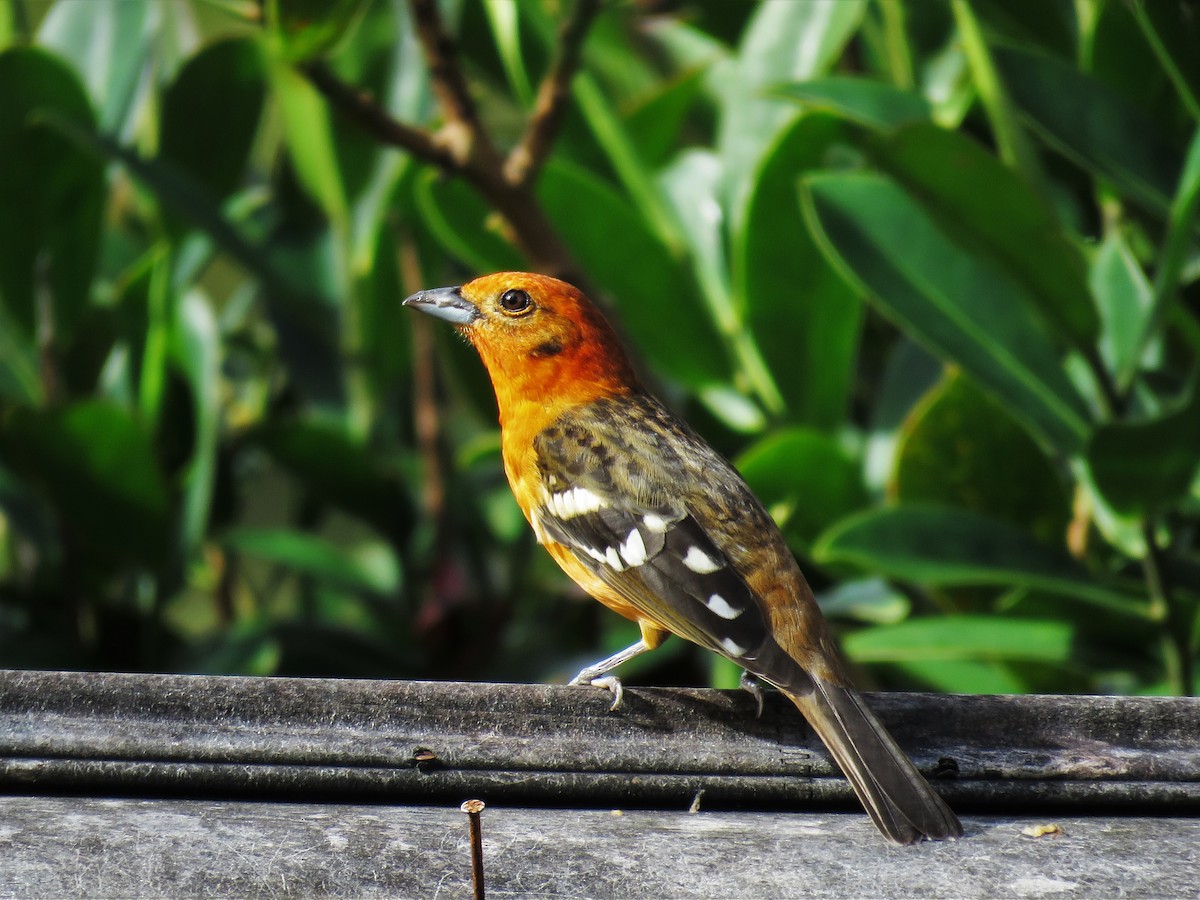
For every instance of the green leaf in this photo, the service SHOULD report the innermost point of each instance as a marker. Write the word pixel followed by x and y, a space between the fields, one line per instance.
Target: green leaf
pixel 1119 531
pixel 1177 246
pixel 52 193
pixel 505 21
pixel 1173 33
pixel 963 676
pixel 1012 143
pixel 310 555
pixel 690 44
pixel 861 100
pixel 383 57
pixel 1124 298
pixel 946 83
pixel 1093 125
pixel 26 514
pixel 654 297
pixel 310 322
pixel 869 600
pixel 96 466
pixel 1115 52
pixel 308 133
pixel 988 208
pixel 339 470
pixel 196 351
pixel 908 373
pixel 463 224
pixel 942 547
pixel 613 135
pixel 804 318
pixel 20 375
pixel 108 43
pixel 251 648
pixel 181 193
pixel 309 28
pixel 655 125
pixel 1142 468
pixel 176 188
pixel 959 448
pixel 383 323
pixel 296 268
pixel 1052 25
pixel 805 479
pixel 959 306
pixel 690 184
pixel 220 91
pixel 782 42
pixel 963 638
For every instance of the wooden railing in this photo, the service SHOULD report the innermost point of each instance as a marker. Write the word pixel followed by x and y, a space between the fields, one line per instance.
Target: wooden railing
pixel 177 785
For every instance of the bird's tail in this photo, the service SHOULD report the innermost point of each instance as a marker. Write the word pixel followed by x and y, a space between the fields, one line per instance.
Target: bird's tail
pixel 897 797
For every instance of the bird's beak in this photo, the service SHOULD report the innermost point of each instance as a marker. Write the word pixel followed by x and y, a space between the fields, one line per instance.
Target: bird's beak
pixel 446 303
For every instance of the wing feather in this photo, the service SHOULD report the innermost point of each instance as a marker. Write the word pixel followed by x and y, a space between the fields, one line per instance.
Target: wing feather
pixel 633 529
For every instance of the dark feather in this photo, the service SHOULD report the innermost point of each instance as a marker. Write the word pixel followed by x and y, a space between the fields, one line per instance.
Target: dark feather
pixel 897 797
pixel 663 586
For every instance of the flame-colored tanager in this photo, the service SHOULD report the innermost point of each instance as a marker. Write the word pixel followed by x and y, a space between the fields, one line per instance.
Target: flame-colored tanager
pixel 658 527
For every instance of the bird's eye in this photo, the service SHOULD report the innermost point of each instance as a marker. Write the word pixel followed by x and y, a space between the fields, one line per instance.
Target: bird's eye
pixel 515 301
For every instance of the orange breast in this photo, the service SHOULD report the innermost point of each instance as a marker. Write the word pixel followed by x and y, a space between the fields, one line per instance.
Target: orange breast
pixel 596 588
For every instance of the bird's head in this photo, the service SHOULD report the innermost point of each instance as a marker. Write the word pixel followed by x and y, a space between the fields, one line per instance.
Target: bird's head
pixel 540 338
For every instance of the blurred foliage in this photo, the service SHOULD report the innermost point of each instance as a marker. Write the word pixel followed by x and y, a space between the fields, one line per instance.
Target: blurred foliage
pixel 927 271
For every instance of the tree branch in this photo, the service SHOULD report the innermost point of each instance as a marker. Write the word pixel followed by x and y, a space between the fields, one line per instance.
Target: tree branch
pixel 462 147
pixel 464 132
pixel 526 158
pixel 374 119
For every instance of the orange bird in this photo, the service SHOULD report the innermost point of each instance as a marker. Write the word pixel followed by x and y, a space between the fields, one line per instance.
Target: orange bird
pixel 659 527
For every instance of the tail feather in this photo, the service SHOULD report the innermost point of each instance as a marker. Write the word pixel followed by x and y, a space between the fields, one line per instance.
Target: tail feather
pixel 897 797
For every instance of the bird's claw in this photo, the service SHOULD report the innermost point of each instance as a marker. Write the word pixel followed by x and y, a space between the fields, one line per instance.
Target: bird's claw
pixel 754 688
pixel 610 683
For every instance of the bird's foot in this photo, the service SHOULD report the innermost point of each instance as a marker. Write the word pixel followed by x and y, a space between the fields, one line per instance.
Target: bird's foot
pixel 610 683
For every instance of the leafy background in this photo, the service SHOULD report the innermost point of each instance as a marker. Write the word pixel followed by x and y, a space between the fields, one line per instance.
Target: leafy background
pixel 926 271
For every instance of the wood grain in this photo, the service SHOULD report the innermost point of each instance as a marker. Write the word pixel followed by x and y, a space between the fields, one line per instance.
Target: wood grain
pixel 138 735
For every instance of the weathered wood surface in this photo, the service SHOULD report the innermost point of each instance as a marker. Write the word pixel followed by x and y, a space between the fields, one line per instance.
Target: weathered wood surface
pixel 140 735
pixel 69 847
pixel 150 785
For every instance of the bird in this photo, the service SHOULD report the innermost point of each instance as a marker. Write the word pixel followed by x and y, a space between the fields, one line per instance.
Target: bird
pixel 652 522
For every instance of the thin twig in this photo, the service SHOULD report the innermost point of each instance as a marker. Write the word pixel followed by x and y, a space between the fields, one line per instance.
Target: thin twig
pixel 525 160
pixel 464 132
pixel 375 120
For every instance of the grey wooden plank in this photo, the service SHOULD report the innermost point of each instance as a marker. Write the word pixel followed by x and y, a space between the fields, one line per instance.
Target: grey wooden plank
pixel 309 738
pixel 67 847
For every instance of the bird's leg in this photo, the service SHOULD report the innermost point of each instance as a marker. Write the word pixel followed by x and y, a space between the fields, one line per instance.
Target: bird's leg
pixel 597 674
pixel 754 688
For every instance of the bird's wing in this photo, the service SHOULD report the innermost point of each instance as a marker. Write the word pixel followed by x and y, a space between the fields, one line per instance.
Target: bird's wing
pixel 614 496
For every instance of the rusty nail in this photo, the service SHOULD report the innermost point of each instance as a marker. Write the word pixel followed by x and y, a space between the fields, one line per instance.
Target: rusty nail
pixel 473 808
